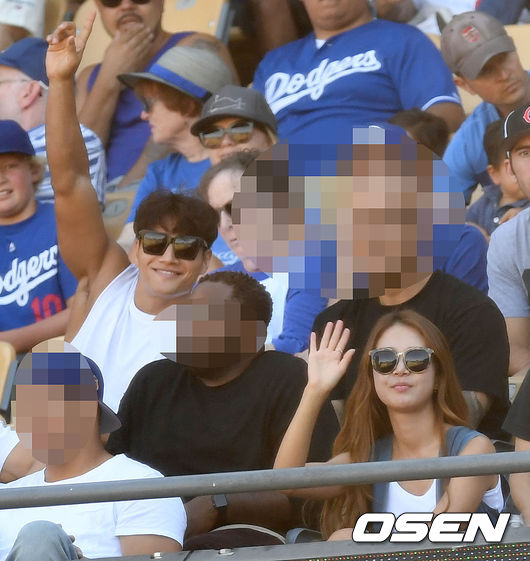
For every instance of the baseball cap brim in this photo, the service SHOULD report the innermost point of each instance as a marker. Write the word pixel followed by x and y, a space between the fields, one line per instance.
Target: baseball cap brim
pixel 202 124
pixel 131 79
pixel 476 60
pixel 510 142
pixel 108 421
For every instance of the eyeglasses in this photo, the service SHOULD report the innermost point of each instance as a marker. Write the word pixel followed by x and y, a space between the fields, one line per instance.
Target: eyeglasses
pixel 116 3
pixel 147 103
pixel 385 360
pixel 156 243
pixel 238 132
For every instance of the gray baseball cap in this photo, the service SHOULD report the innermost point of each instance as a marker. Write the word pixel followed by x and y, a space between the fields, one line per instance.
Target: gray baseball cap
pixel 236 101
pixel 470 39
pixel 196 72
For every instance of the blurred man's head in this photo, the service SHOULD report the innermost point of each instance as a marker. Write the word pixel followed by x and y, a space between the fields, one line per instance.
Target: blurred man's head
pixel 349 221
pixel 236 119
pixel 59 405
pixel 517 145
pixel 480 53
pixel 221 324
pixel 23 82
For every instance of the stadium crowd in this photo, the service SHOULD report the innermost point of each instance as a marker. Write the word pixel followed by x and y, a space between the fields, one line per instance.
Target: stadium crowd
pixel 331 265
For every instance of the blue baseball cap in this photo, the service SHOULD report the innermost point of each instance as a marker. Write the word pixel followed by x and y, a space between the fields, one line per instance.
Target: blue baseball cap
pixel 14 139
pixel 29 56
pixel 68 368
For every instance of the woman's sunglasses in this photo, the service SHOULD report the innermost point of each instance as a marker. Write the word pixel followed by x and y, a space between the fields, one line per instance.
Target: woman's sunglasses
pixel 156 243
pixel 116 3
pixel 239 132
pixel 385 360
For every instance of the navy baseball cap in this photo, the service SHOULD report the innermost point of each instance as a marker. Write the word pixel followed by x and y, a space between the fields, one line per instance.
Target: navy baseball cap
pixel 29 56
pixel 68 368
pixel 14 139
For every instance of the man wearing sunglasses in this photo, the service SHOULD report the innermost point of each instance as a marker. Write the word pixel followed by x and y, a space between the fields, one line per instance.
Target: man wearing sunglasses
pixel 112 321
pixel 138 41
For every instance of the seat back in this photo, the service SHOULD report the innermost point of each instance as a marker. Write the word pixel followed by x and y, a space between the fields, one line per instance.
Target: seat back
pixel 206 16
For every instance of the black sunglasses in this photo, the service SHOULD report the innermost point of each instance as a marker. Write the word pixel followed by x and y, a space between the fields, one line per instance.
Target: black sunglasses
pixel 239 132
pixel 385 360
pixel 156 243
pixel 116 3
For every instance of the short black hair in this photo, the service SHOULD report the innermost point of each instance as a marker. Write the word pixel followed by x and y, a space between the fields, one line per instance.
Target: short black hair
pixel 493 143
pixel 256 302
pixel 427 129
pixel 187 215
pixel 237 162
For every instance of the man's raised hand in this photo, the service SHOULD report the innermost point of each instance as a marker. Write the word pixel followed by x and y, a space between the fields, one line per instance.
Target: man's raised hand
pixel 65 48
pixel 327 364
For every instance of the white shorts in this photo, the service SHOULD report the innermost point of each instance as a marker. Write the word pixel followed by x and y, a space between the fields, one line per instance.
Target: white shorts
pixel 28 14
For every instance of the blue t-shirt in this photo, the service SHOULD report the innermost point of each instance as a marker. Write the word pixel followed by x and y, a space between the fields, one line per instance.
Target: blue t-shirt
pixel 34 281
pixel 128 133
pixel 359 77
pixel 301 309
pixel 468 260
pixel 465 155
pixel 174 173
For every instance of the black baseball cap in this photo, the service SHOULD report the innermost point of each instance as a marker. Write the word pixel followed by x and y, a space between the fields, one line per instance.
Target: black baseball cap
pixel 236 101
pixel 516 125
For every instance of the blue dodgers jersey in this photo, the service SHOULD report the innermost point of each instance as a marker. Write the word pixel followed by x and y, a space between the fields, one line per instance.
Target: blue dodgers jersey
pixel 34 281
pixel 362 76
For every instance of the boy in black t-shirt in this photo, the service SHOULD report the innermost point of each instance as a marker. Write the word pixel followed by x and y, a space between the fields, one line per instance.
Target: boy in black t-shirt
pixel 224 407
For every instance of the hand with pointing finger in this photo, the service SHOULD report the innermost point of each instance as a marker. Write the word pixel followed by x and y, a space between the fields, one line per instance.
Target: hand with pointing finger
pixel 65 49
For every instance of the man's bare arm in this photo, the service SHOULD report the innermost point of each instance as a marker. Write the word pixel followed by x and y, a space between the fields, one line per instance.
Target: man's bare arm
pixel 519 338
pixel 83 242
pixel 20 462
pixel 451 113
pixel 147 545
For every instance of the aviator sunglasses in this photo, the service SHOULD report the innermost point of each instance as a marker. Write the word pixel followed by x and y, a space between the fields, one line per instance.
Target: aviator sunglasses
pixel 156 243
pixel 116 3
pixel 385 360
pixel 238 132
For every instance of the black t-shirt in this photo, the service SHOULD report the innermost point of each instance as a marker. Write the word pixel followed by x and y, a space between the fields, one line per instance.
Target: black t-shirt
pixel 471 322
pixel 174 423
pixel 518 419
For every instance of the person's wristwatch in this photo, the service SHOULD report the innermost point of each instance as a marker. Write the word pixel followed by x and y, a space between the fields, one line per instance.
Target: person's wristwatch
pixel 220 503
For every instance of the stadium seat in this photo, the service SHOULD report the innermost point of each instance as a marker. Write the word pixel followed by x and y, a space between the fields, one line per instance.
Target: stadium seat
pixel 7 372
pixel 207 16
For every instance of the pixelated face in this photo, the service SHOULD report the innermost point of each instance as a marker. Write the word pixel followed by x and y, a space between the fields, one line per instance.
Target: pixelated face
pixel 502 80
pixel 519 163
pixel 165 276
pixel 258 141
pixel 331 15
pixel 128 15
pixel 210 332
pixel 346 221
pixel 402 390
pixel 17 175
pixel 55 406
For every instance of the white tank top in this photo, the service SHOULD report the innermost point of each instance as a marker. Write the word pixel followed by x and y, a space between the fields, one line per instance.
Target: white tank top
pixel 118 336
pixel 399 501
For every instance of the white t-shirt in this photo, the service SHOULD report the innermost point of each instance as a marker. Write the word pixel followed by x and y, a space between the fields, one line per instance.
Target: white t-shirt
pixel 96 526
pixel 119 337
pixel 8 440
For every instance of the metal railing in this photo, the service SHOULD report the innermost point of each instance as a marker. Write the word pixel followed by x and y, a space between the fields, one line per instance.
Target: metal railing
pixel 266 480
